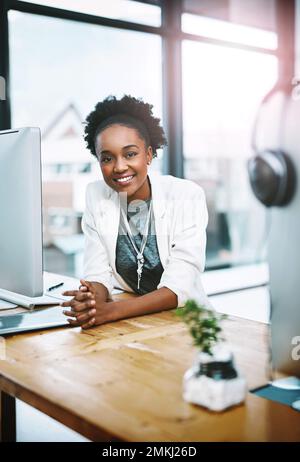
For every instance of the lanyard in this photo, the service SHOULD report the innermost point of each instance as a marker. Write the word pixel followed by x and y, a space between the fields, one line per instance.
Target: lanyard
pixel 139 252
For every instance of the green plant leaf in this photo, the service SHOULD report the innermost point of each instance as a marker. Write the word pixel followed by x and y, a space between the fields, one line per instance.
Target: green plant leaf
pixel 204 325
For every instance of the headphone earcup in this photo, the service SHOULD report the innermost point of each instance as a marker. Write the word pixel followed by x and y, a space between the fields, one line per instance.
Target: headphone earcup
pixel 272 177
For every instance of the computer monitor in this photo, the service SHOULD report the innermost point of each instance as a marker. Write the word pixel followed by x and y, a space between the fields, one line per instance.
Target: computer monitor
pixel 21 250
pixel 284 263
pixel 277 129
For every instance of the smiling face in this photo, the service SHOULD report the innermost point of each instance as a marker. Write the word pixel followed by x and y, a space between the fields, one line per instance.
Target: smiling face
pixel 124 157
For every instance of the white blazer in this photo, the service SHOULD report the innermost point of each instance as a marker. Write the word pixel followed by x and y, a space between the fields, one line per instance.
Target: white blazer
pixel 181 218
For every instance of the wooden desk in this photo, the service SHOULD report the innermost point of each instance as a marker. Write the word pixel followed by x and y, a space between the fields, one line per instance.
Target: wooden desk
pixel 123 381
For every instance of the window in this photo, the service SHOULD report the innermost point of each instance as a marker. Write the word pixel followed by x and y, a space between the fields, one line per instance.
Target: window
pixel 222 88
pixel 222 30
pixel 259 14
pixel 59 70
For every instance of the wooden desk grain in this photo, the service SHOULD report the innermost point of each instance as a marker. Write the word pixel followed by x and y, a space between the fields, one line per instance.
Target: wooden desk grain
pixel 123 381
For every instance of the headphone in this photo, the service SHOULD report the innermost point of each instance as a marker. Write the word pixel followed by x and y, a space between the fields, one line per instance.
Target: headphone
pixel 271 172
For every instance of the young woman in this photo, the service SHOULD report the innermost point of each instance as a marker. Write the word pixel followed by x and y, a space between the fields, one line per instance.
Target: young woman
pixel 145 233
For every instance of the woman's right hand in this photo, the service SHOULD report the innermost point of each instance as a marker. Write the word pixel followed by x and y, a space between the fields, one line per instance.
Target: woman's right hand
pixel 83 305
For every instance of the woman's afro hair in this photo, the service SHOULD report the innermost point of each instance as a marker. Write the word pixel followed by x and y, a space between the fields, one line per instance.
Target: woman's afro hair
pixel 136 110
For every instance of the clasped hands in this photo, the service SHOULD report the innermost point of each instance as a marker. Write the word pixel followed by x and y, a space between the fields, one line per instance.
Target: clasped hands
pixel 85 309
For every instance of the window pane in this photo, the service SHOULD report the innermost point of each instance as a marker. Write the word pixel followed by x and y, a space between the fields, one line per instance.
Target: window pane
pixel 126 10
pixel 59 71
pixel 222 30
pixel 221 93
pixel 253 13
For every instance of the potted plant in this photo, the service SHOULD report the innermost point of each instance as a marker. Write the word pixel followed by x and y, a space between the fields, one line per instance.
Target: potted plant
pixel 213 380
